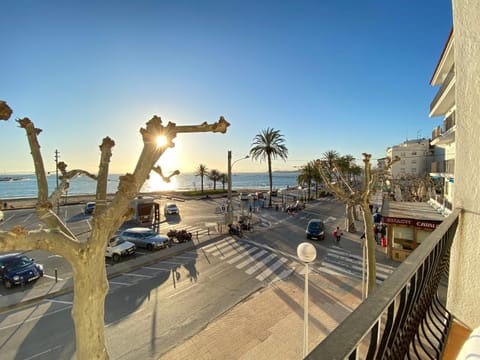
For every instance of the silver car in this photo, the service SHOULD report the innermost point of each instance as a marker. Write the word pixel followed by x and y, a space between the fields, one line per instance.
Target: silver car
pixel 145 238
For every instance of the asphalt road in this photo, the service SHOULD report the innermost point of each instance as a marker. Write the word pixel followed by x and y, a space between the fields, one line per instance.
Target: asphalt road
pixel 151 309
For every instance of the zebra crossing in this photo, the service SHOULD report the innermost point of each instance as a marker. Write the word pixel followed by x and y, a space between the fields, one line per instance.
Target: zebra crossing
pixel 254 261
pixel 196 230
pixel 338 260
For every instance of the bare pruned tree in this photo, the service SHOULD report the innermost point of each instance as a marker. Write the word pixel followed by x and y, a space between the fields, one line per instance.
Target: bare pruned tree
pixel 87 257
pixel 353 196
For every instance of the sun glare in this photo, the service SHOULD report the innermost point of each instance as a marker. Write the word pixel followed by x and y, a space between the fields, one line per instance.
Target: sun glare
pixel 161 141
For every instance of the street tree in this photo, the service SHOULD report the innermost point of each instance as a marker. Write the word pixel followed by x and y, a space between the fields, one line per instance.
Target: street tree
pixel 201 171
pixel 353 196
pixel 307 175
pixel 214 175
pixel 223 179
pixel 330 157
pixel 87 257
pixel 268 144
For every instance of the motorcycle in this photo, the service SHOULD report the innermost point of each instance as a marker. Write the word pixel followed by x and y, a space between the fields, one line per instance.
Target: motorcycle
pixel 180 235
pixel 234 230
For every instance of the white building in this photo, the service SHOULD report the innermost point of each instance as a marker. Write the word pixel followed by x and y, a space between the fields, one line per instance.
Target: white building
pixel 443 136
pixel 415 159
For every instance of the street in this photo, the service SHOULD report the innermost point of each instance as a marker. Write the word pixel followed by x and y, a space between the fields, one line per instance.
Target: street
pixel 155 307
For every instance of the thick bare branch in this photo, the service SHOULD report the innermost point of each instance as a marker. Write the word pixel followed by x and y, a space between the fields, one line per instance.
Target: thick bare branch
pixel 53 241
pixel 166 179
pixel 32 136
pixel 5 111
pixel 103 170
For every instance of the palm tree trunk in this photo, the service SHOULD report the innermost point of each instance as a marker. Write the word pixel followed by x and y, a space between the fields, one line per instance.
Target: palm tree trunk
pixel 269 160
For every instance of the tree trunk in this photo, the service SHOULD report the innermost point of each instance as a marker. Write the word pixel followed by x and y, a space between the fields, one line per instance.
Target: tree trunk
pixel 349 218
pixel 371 245
pixel 270 179
pixel 90 290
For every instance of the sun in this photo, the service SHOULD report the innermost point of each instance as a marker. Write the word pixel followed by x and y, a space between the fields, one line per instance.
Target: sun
pixel 161 141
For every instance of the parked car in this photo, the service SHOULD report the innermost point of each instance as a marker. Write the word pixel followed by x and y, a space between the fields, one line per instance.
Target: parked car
pixel 243 196
pixel 253 196
pixel 118 248
pixel 171 208
pixel 18 269
pixel 315 229
pixel 260 195
pixel 89 208
pixel 145 238
pixel 273 193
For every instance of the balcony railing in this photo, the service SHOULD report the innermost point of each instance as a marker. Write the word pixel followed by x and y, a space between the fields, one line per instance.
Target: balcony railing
pixel 404 317
pixel 444 166
pixel 443 87
pixel 449 122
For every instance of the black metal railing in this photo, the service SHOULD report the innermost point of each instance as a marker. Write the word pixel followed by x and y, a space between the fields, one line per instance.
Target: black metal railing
pixel 404 317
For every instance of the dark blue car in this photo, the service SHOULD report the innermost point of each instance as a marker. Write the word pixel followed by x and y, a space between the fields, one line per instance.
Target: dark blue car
pixel 315 229
pixel 18 269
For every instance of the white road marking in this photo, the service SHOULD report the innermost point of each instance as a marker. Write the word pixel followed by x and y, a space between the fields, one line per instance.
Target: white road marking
pixel 269 271
pixel 52 277
pixel 44 352
pixel 60 301
pixel 260 264
pixel 181 291
pixel 252 258
pixel 155 268
pixel 137 275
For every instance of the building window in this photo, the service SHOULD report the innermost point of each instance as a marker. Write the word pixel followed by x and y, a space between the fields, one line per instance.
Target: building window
pixel 402 154
pixel 414 153
pixel 414 170
pixel 402 170
pixel 414 161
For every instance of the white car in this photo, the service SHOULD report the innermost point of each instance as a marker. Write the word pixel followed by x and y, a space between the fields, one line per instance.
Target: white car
pixel 170 209
pixel 243 196
pixel 118 248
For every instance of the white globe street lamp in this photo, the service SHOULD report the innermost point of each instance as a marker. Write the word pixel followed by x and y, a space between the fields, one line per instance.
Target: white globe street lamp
pixel 307 253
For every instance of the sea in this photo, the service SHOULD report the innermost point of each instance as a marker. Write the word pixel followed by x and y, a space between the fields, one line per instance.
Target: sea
pixel 25 185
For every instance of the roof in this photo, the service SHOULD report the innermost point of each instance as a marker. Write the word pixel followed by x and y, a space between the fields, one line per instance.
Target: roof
pixel 410 210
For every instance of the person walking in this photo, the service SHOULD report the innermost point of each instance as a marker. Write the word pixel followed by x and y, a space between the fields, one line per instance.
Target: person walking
pixel 337 234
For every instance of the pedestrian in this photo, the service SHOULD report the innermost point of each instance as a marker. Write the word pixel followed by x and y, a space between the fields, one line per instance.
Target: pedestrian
pixel 376 230
pixel 337 234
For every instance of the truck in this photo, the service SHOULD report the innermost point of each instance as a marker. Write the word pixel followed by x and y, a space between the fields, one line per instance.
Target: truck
pixel 143 209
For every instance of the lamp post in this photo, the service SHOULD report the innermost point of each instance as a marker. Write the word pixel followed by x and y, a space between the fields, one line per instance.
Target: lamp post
pixel 307 253
pixel 229 214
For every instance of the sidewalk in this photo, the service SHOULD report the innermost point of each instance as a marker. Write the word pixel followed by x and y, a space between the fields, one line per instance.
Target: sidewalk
pixel 269 324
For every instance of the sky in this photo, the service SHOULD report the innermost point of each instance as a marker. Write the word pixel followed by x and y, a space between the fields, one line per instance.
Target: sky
pixel 345 75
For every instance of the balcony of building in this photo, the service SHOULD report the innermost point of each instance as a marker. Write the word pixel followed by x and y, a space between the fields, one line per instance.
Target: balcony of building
pixel 443 168
pixel 406 316
pixel 444 134
pixel 445 97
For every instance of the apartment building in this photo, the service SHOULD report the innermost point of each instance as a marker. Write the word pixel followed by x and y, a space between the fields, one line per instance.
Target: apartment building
pixel 415 159
pixel 443 136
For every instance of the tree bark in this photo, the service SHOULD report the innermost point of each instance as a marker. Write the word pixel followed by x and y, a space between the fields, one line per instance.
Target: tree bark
pixel 88 313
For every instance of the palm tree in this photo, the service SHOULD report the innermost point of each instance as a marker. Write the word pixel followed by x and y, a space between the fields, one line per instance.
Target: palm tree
pixel 330 157
pixel 202 171
pixel 214 176
pixel 307 175
pixel 268 144
pixel 223 179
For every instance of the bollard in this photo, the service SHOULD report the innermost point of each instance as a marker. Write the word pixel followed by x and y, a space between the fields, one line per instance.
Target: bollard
pixel 56 275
